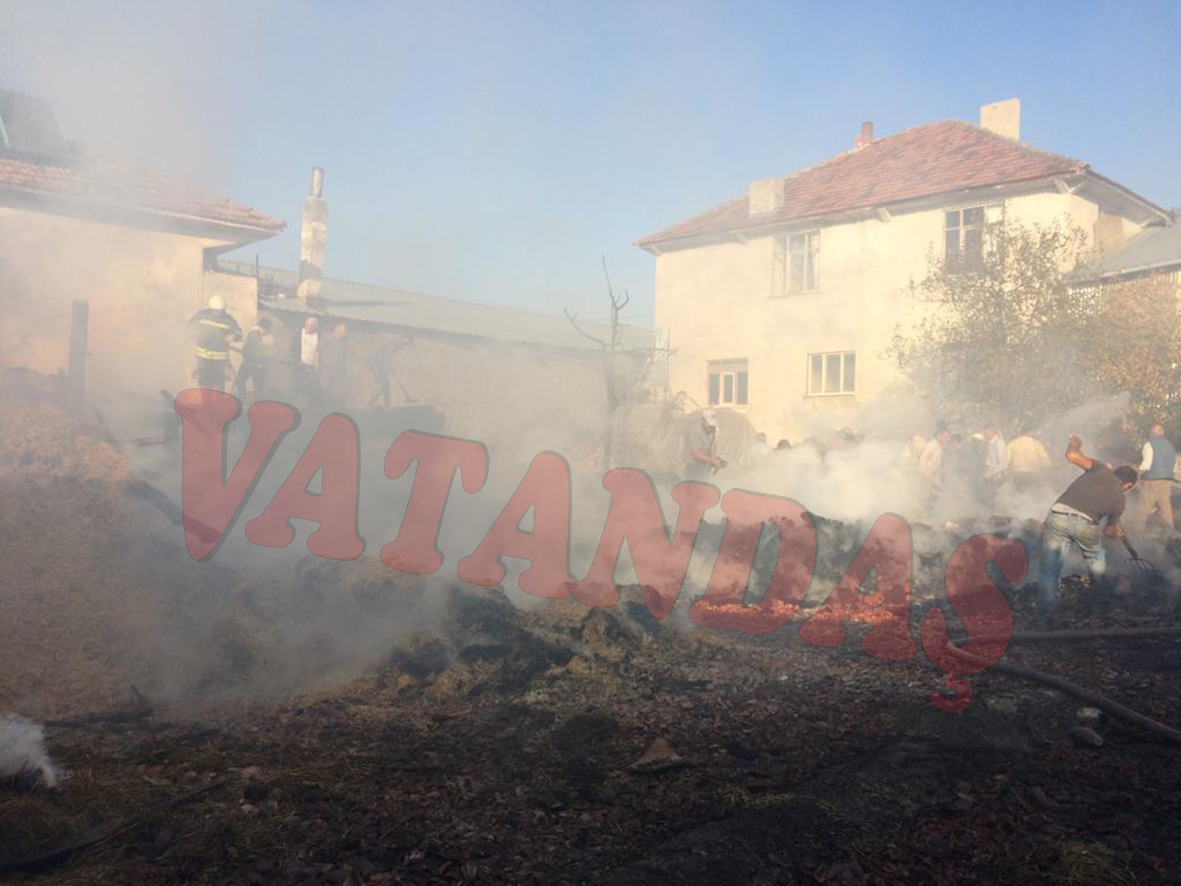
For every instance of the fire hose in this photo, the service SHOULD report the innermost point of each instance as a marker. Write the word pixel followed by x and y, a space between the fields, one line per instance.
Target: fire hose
pixel 1066 686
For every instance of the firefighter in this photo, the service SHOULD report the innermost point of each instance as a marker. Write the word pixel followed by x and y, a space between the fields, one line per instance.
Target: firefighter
pixel 213 330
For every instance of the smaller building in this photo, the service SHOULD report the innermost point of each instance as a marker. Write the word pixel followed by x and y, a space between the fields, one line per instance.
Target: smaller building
pixel 1156 250
pixel 120 254
pixel 486 368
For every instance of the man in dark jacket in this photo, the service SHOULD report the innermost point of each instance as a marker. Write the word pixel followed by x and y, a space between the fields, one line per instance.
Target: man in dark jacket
pixel 1075 518
pixel 256 356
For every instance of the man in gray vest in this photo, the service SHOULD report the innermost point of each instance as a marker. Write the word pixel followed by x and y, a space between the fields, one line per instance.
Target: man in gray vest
pixel 1158 465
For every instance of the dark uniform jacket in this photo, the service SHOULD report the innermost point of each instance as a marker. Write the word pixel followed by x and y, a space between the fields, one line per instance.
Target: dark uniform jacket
pixel 210 329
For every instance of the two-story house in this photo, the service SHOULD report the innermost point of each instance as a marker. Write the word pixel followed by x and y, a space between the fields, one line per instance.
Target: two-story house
pixel 782 302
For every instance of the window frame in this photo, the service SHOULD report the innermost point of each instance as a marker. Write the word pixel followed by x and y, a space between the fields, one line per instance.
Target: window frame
pixel 960 263
pixel 847 364
pixel 728 374
pixel 810 257
pixel 789 245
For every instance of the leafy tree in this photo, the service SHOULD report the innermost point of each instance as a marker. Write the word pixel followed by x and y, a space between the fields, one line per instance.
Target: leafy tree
pixel 1136 347
pixel 1001 335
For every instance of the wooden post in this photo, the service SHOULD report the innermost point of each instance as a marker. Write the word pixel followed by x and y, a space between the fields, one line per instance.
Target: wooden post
pixel 79 320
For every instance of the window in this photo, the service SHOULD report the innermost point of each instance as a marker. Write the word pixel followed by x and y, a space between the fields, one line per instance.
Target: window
pixel 963 235
pixel 728 382
pixel 797 263
pixel 832 373
pixel 803 251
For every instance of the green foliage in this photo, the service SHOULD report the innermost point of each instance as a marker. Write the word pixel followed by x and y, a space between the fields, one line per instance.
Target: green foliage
pixel 1011 339
pixel 1138 328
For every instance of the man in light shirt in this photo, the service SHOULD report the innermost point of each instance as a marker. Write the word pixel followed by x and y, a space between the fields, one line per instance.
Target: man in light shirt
pixel 914 445
pixel 1028 460
pixel 996 463
pixel 1158 466
pixel 931 457
pixel 309 358
pixel 931 465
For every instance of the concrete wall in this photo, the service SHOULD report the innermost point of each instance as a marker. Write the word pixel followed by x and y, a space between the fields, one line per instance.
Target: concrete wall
pixel 717 303
pixel 142 286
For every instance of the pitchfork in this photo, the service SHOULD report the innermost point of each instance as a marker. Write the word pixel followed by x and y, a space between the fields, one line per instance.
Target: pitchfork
pixel 1144 566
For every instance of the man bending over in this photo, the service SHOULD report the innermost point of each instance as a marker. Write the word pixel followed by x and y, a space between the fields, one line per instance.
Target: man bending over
pixel 1075 518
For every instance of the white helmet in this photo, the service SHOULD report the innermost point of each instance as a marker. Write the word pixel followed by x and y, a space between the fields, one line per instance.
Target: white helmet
pixel 216 303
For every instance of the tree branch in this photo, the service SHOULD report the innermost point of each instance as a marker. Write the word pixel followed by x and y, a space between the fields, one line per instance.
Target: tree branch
pixel 573 318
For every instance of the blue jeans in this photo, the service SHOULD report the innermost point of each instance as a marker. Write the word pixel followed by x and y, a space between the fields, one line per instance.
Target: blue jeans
pixel 1059 532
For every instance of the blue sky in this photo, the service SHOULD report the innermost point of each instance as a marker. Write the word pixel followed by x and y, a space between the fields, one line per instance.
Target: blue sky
pixel 493 151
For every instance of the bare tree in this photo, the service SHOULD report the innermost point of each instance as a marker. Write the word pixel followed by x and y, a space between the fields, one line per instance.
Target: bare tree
pixel 612 346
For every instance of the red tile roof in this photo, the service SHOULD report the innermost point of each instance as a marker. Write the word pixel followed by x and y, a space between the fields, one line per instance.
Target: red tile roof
pixel 107 184
pixel 923 161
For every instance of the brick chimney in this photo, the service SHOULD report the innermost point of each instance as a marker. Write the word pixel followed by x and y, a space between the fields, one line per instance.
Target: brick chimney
pixel 865 137
pixel 766 195
pixel 1003 118
pixel 313 235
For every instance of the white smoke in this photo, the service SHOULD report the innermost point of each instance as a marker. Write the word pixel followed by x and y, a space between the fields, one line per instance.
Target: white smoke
pixel 22 750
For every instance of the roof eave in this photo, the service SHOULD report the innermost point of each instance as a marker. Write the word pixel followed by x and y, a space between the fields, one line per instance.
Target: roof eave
pixel 236 233
pixel 914 204
pixel 1083 277
pixel 1124 200
pixel 325 309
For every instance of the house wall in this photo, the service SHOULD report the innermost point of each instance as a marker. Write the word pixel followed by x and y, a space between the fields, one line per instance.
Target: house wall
pixel 717 303
pixel 142 286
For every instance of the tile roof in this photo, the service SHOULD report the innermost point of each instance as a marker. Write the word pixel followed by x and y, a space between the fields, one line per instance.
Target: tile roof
pixel 103 183
pixel 922 161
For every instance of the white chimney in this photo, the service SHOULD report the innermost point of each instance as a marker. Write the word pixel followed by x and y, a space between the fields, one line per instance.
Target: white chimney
pixel 313 235
pixel 1003 118
pixel 766 195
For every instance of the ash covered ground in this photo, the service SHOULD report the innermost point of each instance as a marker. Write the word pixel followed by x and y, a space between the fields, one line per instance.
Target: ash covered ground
pixel 471 741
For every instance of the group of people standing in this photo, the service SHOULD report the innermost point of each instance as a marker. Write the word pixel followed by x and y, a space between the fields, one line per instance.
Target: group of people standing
pixel 215 334
pixel 962 471
pixel 321 365
pixel 321 370
pixel 1091 508
pixel 965 471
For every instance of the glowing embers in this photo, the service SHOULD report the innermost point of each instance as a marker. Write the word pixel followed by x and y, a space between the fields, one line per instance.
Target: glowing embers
pixel 211 505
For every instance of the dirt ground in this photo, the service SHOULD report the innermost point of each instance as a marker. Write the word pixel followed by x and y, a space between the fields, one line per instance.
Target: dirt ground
pixel 566 745
pixel 493 753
